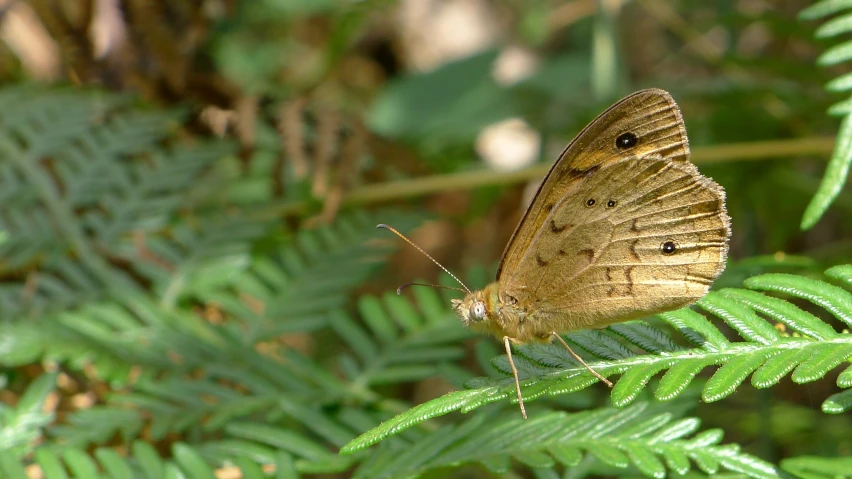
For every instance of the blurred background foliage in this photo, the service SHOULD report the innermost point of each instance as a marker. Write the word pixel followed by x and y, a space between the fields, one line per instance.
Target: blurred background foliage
pixel 189 190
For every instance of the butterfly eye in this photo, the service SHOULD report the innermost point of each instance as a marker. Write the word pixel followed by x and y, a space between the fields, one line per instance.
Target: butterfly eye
pixel 477 310
pixel 668 248
pixel 626 140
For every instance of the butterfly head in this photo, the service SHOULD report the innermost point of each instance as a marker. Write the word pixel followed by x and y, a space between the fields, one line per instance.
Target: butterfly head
pixel 476 310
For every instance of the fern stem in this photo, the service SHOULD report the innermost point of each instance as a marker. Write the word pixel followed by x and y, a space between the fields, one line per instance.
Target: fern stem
pixel 384 192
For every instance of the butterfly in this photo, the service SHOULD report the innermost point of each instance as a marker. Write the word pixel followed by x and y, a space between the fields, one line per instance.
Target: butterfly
pixel 623 226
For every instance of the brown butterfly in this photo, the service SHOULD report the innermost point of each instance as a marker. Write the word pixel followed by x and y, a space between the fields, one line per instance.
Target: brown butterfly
pixel 623 226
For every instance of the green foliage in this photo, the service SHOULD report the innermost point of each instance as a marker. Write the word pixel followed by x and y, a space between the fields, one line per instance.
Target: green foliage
pixel 110 328
pixel 468 100
pixel 765 353
pixel 171 307
pixel 841 160
pixel 810 467
pixel 653 442
pixel 24 423
pixel 143 462
pixel 113 167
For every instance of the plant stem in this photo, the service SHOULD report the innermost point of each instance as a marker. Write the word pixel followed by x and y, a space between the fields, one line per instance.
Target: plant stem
pixel 397 190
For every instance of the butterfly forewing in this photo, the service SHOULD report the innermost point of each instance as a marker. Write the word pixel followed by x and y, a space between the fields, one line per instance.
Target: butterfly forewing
pixel 651 115
pixel 618 233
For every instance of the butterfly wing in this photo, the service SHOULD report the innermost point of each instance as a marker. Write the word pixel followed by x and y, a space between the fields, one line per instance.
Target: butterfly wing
pixel 623 225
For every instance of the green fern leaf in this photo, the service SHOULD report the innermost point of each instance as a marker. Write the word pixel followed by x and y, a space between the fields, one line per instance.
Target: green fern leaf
pixel 148 459
pixel 110 178
pixel 681 374
pixel 778 366
pixel 356 338
pixel 568 456
pixel 634 380
pixel 10 466
pixel 765 353
pixel 143 461
pixel 835 26
pixel 646 337
pixel 80 464
pixel 652 442
pixel 307 279
pixel 676 460
pixel 834 299
pixel 838 403
pixel 676 430
pixel 21 425
pixel 844 379
pixel 840 84
pixel 741 318
pixel 570 385
pixel 706 462
pixel 729 377
pixel 249 468
pixel 646 461
pixel 749 465
pixel 534 459
pixel 814 467
pixel 410 346
pixel 190 461
pixel 611 456
pixel 841 272
pixel 437 407
pixel 841 108
pixel 837 54
pixel 640 426
pixel 284 467
pixel 50 463
pixel 282 439
pixel 696 328
pixel 824 8
pixel 783 312
pixel 822 360
pixel 497 465
pixel 837 170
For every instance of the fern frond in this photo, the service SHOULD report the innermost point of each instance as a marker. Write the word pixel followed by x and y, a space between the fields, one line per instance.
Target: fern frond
pixel 841 159
pixel 142 462
pixel 295 287
pixel 653 442
pixel 22 425
pixel 419 341
pixel 766 354
pixel 813 467
pixel 83 172
pixel 174 342
pixel 411 342
pixel 197 258
pixel 239 382
pixel 270 296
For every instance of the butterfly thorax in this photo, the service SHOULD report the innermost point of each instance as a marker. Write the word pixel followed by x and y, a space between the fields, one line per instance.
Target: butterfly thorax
pixel 489 311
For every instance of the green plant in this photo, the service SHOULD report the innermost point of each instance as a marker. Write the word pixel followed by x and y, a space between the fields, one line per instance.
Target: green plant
pixel 814 350
pixel 841 159
pixel 176 305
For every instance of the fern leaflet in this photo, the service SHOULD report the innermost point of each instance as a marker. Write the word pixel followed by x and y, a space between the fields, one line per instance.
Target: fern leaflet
pixel 841 159
pixel 766 354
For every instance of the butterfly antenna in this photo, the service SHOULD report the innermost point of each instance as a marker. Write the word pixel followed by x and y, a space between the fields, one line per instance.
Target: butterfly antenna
pixel 394 231
pixel 399 290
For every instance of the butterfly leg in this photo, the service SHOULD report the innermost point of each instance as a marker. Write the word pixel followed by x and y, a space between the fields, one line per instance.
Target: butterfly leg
pixel 507 342
pixel 578 358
